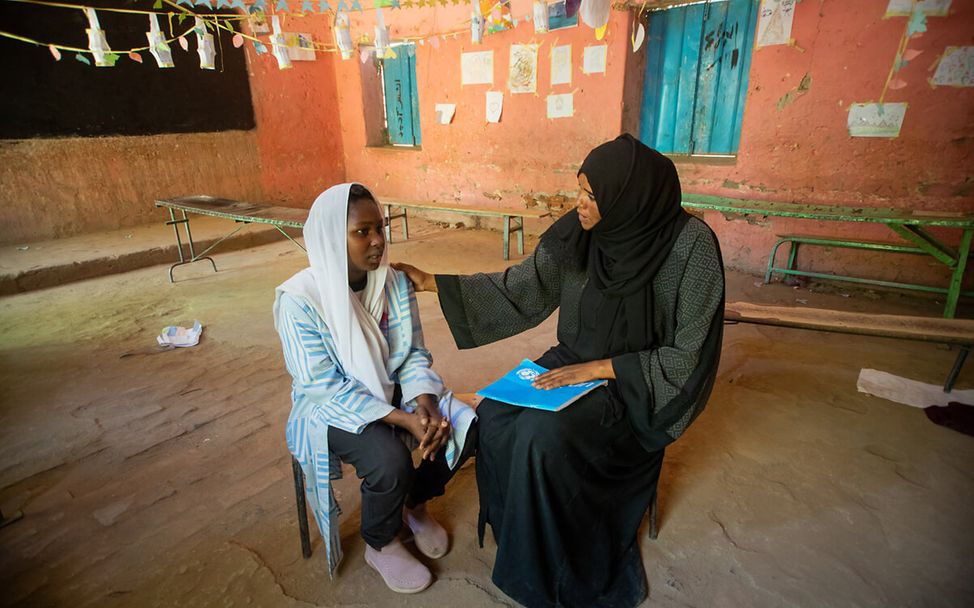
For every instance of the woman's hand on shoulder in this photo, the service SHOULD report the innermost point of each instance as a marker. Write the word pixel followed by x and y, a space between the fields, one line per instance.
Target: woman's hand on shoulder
pixel 573 374
pixel 422 281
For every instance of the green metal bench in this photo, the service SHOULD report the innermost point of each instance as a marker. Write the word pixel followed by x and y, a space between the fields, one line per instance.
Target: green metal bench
pixel 912 226
pixel 513 218
pixel 796 240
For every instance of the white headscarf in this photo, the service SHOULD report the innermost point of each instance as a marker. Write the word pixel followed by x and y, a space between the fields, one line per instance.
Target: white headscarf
pixel 354 324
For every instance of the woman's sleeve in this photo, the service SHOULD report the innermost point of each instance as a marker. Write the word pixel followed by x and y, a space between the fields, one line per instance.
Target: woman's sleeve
pixel 665 388
pixel 341 400
pixel 416 375
pixel 484 308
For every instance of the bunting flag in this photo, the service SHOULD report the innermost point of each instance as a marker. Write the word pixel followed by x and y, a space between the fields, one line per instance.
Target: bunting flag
pixel 158 46
pixel 97 43
pixel 204 46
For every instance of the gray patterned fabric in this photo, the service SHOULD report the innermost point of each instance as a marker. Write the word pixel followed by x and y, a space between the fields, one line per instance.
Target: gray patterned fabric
pixel 688 292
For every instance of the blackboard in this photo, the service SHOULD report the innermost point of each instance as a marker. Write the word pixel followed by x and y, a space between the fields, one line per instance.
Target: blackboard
pixel 47 98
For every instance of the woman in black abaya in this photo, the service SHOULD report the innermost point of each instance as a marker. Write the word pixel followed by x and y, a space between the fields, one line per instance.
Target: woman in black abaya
pixel 640 288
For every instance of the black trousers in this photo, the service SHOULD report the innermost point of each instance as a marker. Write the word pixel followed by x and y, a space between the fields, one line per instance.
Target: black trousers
pixel 385 466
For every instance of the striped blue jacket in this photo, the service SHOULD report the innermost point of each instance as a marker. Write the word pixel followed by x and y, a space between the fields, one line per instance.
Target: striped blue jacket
pixel 324 395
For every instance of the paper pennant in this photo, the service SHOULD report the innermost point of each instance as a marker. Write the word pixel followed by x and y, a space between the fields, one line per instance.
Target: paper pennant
pixel 638 38
pixel 205 3
pixel 259 47
pixel 184 43
pixel 279 45
pixel 96 40
pixel 54 52
pixel 897 83
pixel 239 4
pixel 342 6
pixel 135 57
pixel 308 6
pixel 158 46
pixel 238 40
pixel 911 54
pixel 259 5
pixel 82 58
pixel 323 6
pixel 185 3
pixel 917 24
pixel 204 46
pixel 223 4
pixel 356 6
pixel 282 6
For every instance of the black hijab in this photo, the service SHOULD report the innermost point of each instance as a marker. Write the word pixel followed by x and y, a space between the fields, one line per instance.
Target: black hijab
pixel 637 191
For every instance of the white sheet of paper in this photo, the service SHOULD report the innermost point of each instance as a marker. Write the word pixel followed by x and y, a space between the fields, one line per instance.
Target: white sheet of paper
pixel 956 67
pixel 561 64
pixel 930 8
pixel 593 62
pixel 774 22
pixel 876 119
pixel 278 44
pixel 300 47
pixel 97 43
pixel 523 76
pixel 175 335
pixel 157 43
pixel 495 105
pixel 906 391
pixel 477 68
pixel 445 112
pixel 561 106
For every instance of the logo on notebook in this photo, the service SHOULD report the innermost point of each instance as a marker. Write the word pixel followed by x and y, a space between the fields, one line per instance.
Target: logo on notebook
pixel 527 374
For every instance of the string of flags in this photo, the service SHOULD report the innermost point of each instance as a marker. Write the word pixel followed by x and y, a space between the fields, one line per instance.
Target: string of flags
pixel 487 17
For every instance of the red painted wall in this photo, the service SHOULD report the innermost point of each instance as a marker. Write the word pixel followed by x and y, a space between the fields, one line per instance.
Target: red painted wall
pixel 469 160
pixel 299 137
pixel 798 148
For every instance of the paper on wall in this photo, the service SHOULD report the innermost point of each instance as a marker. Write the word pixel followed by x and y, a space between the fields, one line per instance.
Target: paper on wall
pixel 445 112
pixel 523 77
pixel 300 47
pixel 876 119
pixel 930 8
pixel 204 46
pixel 956 67
pixel 97 43
pixel 495 105
pixel 278 44
pixel 774 22
pixel 593 61
pixel 157 43
pixel 477 68
pixel 561 64
pixel 561 106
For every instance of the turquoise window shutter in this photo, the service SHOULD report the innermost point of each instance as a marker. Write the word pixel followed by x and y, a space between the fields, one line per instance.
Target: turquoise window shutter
pixel 695 83
pixel 401 96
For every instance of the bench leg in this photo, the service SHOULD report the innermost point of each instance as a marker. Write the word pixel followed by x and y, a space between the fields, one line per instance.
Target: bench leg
pixel 955 371
pixel 302 508
pixel 520 236
pixel 507 237
pixel 405 226
pixel 388 225
pixel 953 293
pixel 774 252
pixel 793 255
pixel 189 238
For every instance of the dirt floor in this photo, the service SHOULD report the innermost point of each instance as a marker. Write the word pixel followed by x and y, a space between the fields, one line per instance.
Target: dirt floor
pixel 162 479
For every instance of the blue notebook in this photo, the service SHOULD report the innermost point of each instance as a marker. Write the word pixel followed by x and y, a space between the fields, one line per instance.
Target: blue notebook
pixel 515 388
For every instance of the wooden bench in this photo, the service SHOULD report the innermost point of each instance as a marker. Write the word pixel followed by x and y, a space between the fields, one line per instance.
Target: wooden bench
pixel 955 332
pixel 513 218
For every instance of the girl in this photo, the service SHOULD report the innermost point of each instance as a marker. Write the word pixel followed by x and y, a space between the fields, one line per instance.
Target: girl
pixel 363 390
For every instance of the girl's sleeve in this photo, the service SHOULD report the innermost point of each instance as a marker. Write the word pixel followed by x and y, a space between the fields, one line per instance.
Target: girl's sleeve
pixel 665 388
pixel 416 375
pixel 342 401
pixel 484 308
